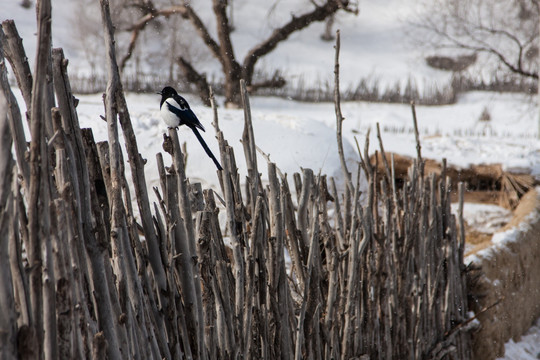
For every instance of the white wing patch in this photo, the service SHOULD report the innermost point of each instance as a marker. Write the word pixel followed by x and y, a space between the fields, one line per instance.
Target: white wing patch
pixel 173 102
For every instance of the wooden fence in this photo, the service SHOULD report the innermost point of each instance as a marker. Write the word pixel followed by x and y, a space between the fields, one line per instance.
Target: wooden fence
pixel 372 275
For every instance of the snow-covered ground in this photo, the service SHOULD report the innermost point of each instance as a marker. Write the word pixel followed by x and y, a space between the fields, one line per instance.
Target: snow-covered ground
pixel 527 348
pixel 302 135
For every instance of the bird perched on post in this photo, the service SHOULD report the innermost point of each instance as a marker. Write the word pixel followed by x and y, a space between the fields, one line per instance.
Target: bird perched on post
pixel 175 111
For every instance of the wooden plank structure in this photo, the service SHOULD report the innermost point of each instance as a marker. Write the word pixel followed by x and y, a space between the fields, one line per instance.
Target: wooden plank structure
pixel 377 274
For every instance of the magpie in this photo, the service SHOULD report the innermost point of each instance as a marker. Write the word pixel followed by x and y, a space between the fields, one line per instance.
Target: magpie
pixel 175 111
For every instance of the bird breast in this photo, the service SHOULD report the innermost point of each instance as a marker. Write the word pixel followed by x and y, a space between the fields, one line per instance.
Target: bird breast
pixel 170 118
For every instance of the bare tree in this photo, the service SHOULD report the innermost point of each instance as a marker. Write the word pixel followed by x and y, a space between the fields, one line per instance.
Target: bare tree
pixel 222 48
pixel 504 29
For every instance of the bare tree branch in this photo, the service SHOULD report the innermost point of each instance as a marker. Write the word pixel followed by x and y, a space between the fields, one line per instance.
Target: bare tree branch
pixel 15 123
pixel 196 78
pixel 502 30
pixel 296 23
pixel 223 49
pixel 231 68
pixel 138 26
pixel 276 81
pixel 14 52
pixel 8 318
pixel 183 10
pixel 203 32
pixel 339 116
pixel 515 68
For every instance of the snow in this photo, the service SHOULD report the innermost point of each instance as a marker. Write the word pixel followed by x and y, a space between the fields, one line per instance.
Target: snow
pixel 489 219
pixel 499 239
pixel 526 348
pixel 309 143
pixel 484 218
pixel 302 135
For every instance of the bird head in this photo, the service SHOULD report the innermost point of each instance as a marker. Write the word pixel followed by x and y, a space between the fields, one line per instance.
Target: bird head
pixel 167 91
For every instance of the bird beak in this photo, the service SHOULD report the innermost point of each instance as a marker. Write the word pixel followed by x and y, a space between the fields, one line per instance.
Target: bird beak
pixel 159 93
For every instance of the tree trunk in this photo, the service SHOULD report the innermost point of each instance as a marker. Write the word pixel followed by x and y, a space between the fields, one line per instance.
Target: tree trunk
pixel 194 77
pixel 232 90
pixel 231 68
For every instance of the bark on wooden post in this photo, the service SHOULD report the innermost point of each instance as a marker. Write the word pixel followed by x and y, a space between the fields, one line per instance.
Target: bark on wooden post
pixel 136 163
pixel 229 194
pixel 14 119
pixel 38 208
pixel 248 141
pixel 14 51
pixel 109 324
pixel 188 264
pixel 8 329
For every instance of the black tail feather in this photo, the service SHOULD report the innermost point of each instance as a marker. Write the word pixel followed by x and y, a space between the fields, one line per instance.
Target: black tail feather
pixel 205 147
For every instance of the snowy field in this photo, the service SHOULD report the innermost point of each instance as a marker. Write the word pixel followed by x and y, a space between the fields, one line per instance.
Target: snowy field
pixel 302 135
pixel 527 348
